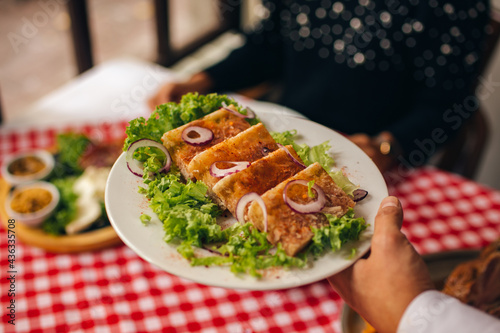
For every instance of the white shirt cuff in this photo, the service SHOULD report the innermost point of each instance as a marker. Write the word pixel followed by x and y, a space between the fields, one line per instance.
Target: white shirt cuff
pixel 433 311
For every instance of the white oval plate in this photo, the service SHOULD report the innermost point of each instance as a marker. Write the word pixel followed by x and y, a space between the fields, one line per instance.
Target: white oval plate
pixel 125 205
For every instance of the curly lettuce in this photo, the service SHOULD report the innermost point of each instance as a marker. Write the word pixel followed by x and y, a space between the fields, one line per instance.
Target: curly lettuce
pixel 189 217
pixel 66 209
pixel 339 231
pixel 70 146
pixel 172 115
pixel 318 153
pixel 309 155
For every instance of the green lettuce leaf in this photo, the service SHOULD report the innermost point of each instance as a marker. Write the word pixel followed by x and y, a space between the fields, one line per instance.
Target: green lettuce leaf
pixel 189 217
pixel 310 192
pixel 318 153
pixel 343 182
pixel 339 231
pixel 70 146
pixel 309 155
pixel 172 115
pixel 66 209
pixel 247 251
pixel 192 225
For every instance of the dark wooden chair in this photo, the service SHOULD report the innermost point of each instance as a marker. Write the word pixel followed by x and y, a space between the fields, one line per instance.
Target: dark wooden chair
pixel 167 54
pixel 230 13
pixel 463 153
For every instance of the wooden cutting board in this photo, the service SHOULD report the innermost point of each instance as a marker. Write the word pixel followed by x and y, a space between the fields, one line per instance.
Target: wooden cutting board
pixel 88 241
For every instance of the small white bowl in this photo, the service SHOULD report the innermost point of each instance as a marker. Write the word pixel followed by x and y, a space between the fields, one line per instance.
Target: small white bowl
pixel 36 218
pixel 43 155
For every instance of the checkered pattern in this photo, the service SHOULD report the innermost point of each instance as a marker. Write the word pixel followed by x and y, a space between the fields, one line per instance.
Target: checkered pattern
pixel 113 290
pixel 446 212
pixel 12 141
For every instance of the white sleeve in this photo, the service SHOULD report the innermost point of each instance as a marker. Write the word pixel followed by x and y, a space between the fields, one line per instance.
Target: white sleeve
pixel 433 312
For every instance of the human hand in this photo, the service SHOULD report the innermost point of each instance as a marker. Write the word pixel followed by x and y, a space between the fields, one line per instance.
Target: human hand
pixel 381 286
pixel 371 146
pixel 173 91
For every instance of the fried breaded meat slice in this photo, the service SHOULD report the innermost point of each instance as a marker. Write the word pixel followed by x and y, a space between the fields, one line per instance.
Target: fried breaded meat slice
pixel 292 229
pixel 223 125
pixel 248 146
pixel 259 177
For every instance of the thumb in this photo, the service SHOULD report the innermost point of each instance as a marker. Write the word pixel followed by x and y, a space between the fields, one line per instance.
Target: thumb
pixel 387 236
pixel 389 216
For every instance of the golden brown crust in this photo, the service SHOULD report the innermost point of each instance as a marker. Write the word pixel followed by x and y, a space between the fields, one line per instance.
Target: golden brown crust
pixel 291 229
pixel 235 141
pixel 259 177
pixel 222 123
pixel 246 146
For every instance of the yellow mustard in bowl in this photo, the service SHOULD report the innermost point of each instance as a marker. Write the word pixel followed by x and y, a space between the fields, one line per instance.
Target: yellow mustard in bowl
pixel 31 200
pixel 32 203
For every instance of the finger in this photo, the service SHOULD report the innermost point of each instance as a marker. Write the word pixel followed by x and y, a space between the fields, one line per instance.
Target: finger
pixel 344 278
pixel 340 281
pixel 152 103
pixel 389 216
pixel 370 151
pixel 164 95
pixel 385 136
pixel 360 139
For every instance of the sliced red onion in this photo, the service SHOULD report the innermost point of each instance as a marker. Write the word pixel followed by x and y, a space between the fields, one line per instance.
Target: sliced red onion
pixel 219 173
pixel 135 166
pixel 244 201
pixel 204 135
pixel 296 161
pixel 312 207
pixel 250 113
pixel 359 194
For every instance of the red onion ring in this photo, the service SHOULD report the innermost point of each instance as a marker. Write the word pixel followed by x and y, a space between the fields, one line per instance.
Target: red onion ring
pixel 296 161
pixel 311 207
pixel 359 195
pixel 250 113
pixel 220 173
pixel 244 201
pixel 135 166
pixel 205 135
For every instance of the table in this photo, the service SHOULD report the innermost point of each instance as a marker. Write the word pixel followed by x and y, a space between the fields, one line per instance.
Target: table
pixel 113 290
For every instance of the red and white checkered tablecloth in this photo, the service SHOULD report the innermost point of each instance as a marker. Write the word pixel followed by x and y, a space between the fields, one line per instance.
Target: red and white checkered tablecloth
pixel 114 290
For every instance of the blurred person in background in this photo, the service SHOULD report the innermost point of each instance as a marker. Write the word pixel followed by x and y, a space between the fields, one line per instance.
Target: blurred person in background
pixel 396 77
